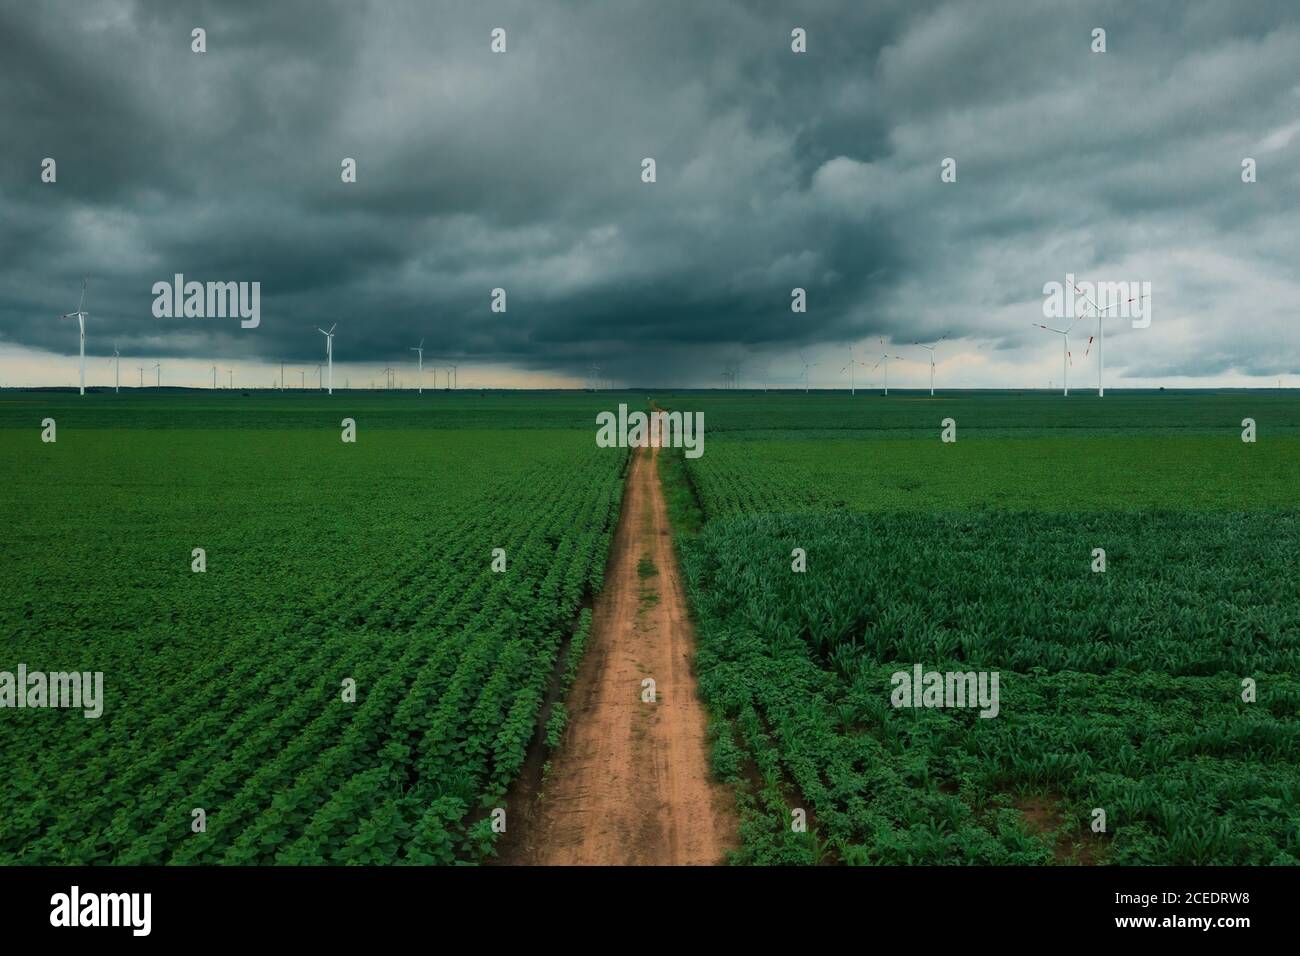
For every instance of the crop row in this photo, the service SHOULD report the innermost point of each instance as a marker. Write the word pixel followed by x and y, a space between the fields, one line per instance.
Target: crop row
pixel 1123 691
pixel 243 714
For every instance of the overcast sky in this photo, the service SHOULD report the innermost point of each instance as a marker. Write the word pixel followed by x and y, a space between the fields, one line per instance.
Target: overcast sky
pixel 775 169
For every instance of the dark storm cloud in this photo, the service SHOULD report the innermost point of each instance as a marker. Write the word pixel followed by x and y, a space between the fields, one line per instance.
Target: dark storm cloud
pixel 775 170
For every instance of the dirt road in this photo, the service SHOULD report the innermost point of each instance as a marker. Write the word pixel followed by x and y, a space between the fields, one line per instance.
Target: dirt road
pixel 631 784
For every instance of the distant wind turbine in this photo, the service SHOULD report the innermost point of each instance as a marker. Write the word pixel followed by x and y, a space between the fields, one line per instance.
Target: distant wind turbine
pixel 117 369
pixel 1101 314
pixel 81 317
pixel 453 375
pixel 158 367
pixel 884 360
pixel 329 351
pixel 806 366
pixel 419 354
pixel 141 367
pixel 852 369
pixel 1066 359
pixel 214 378
pixel 930 349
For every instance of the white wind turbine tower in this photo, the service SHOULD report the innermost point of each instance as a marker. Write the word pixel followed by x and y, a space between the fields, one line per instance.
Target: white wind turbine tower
pixel 1066 359
pixel 158 367
pixel 419 354
pixel 80 316
pixel 930 349
pixel 452 376
pixel 117 369
pixel 329 351
pixel 1101 314
pixel 232 378
pixel 806 366
pixel 884 360
pixel 852 369
pixel 141 367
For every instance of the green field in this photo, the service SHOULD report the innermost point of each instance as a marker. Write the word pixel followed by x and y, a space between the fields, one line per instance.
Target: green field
pixel 326 561
pixel 1119 690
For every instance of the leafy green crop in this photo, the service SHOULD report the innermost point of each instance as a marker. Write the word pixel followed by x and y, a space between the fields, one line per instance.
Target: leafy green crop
pixel 325 561
pixel 1119 690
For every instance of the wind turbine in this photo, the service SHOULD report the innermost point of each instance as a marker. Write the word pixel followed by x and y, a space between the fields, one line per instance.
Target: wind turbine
pixel 214 377
pixel 1101 314
pixel 852 369
pixel 1066 359
pixel 806 366
pixel 884 360
pixel 117 369
pixel 302 378
pixel 419 354
pixel 232 378
pixel 141 367
pixel 930 349
pixel 80 316
pixel 453 377
pixel 387 373
pixel 329 351
pixel 158 366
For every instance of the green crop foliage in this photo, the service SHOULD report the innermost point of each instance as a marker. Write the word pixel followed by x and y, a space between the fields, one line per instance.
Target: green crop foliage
pixel 325 561
pixel 1118 690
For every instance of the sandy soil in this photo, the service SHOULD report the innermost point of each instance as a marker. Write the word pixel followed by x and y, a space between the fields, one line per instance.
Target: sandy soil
pixel 631 784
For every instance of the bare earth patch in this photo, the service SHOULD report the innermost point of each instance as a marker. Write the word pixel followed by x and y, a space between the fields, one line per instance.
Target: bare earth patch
pixel 631 782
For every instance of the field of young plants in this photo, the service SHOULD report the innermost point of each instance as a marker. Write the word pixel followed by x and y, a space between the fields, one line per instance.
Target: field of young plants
pixel 1120 690
pixel 349 680
pixel 227 691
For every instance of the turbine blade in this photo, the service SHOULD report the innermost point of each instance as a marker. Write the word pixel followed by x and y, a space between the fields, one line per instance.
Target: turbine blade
pixel 1086 299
